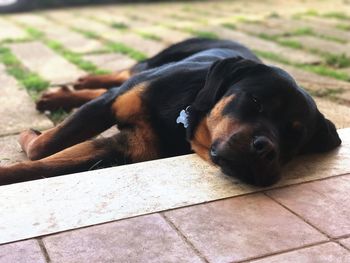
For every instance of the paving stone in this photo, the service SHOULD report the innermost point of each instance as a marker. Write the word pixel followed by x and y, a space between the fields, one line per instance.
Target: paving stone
pixel 315 82
pixel 325 204
pixel 328 46
pixel 40 59
pixel 69 39
pixel 79 22
pixel 111 17
pixel 329 252
pixel 345 242
pixel 241 228
pixel 338 114
pixel 10 31
pixel 10 150
pixel 113 62
pixel 138 189
pixel 132 40
pixel 149 47
pixel 256 43
pixel 261 28
pixel 318 28
pixel 168 36
pixel 141 239
pixel 17 109
pixel 22 252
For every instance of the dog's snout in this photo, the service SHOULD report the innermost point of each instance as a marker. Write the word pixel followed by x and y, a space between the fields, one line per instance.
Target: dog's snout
pixel 264 148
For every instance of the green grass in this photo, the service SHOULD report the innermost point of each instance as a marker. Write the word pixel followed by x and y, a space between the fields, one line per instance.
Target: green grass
pixel 74 58
pixel 119 25
pixel 115 46
pixel 86 33
pixel 150 36
pixel 123 49
pixel 271 56
pixel 34 33
pixel 32 82
pixel 325 71
pixel 326 93
pixel 345 27
pixel 302 31
pixel 58 116
pixel 290 43
pixel 229 25
pixel 337 15
pixel 322 70
pixel 273 15
pixel 201 33
pixel 337 61
pixel 310 12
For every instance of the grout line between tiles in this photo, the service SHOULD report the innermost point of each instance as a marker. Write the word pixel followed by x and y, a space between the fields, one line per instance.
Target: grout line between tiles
pixel 282 251
pixel 332 239
pixel 184 238
pixel 43 250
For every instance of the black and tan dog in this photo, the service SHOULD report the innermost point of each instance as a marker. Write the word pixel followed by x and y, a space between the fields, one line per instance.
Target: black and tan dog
pixel 214 97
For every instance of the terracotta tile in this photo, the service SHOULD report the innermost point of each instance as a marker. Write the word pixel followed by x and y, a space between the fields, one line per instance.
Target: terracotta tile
pixel 345 242
pixel 325 204
pixel 141 239
pixel 26 251
pixel 329 252
pixel 243 227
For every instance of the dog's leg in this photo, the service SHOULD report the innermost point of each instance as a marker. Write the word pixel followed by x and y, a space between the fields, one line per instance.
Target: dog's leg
pixel 66 99
pixel 103 81
pixel 135 144
pixel 91 119
pixel 80 157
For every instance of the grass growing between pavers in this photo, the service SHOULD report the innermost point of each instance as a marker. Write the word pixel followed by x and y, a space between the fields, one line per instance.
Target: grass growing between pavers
pixel 337 15
pixel 114 46
pixel 32 82
pixel 119 25
pixel 331 61
pixel 318 69
pixel 71 56
pixel 150 36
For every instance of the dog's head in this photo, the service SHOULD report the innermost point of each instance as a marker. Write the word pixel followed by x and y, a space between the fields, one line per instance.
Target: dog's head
pixel 256 119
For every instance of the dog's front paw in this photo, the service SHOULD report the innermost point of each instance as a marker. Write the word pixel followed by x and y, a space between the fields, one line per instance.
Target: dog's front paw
pixel 89 82
pixel 54 99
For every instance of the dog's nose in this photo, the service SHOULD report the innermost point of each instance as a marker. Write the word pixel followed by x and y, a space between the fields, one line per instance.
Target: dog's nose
pixel 264 148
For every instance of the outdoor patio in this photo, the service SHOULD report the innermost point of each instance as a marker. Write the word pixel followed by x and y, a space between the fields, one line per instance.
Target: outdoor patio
pixel 178 209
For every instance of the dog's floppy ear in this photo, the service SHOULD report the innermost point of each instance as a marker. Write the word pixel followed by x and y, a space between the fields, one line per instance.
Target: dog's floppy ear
pixel 325 137
pixel 221 75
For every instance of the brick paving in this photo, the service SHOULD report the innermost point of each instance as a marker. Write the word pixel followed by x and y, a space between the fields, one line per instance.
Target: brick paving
pixel 307 222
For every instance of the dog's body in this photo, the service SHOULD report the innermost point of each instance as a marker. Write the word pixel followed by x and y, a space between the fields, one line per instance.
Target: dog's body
pixel 236 112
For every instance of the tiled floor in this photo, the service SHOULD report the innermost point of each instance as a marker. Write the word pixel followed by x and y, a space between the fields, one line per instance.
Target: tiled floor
pixel 291 224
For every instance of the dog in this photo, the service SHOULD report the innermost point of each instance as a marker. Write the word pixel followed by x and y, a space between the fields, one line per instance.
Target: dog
pixel 213 97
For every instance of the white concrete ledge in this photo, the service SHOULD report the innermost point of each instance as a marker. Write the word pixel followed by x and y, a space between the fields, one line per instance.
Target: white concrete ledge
pixel 52 205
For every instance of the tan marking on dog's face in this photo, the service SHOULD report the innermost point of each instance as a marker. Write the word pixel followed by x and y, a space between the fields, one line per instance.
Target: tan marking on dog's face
pixel 214 127
pixel 201 141
pixel 220 126
pixel 129 105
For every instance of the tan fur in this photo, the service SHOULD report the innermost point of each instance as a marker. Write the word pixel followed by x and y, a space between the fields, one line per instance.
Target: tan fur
pixel 142 139
pixel 201 141
pixel 212 128
pixel 129 105
pixel 219 126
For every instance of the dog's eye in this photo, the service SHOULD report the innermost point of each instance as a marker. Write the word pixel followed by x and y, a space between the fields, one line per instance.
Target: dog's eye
pixel 257 103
